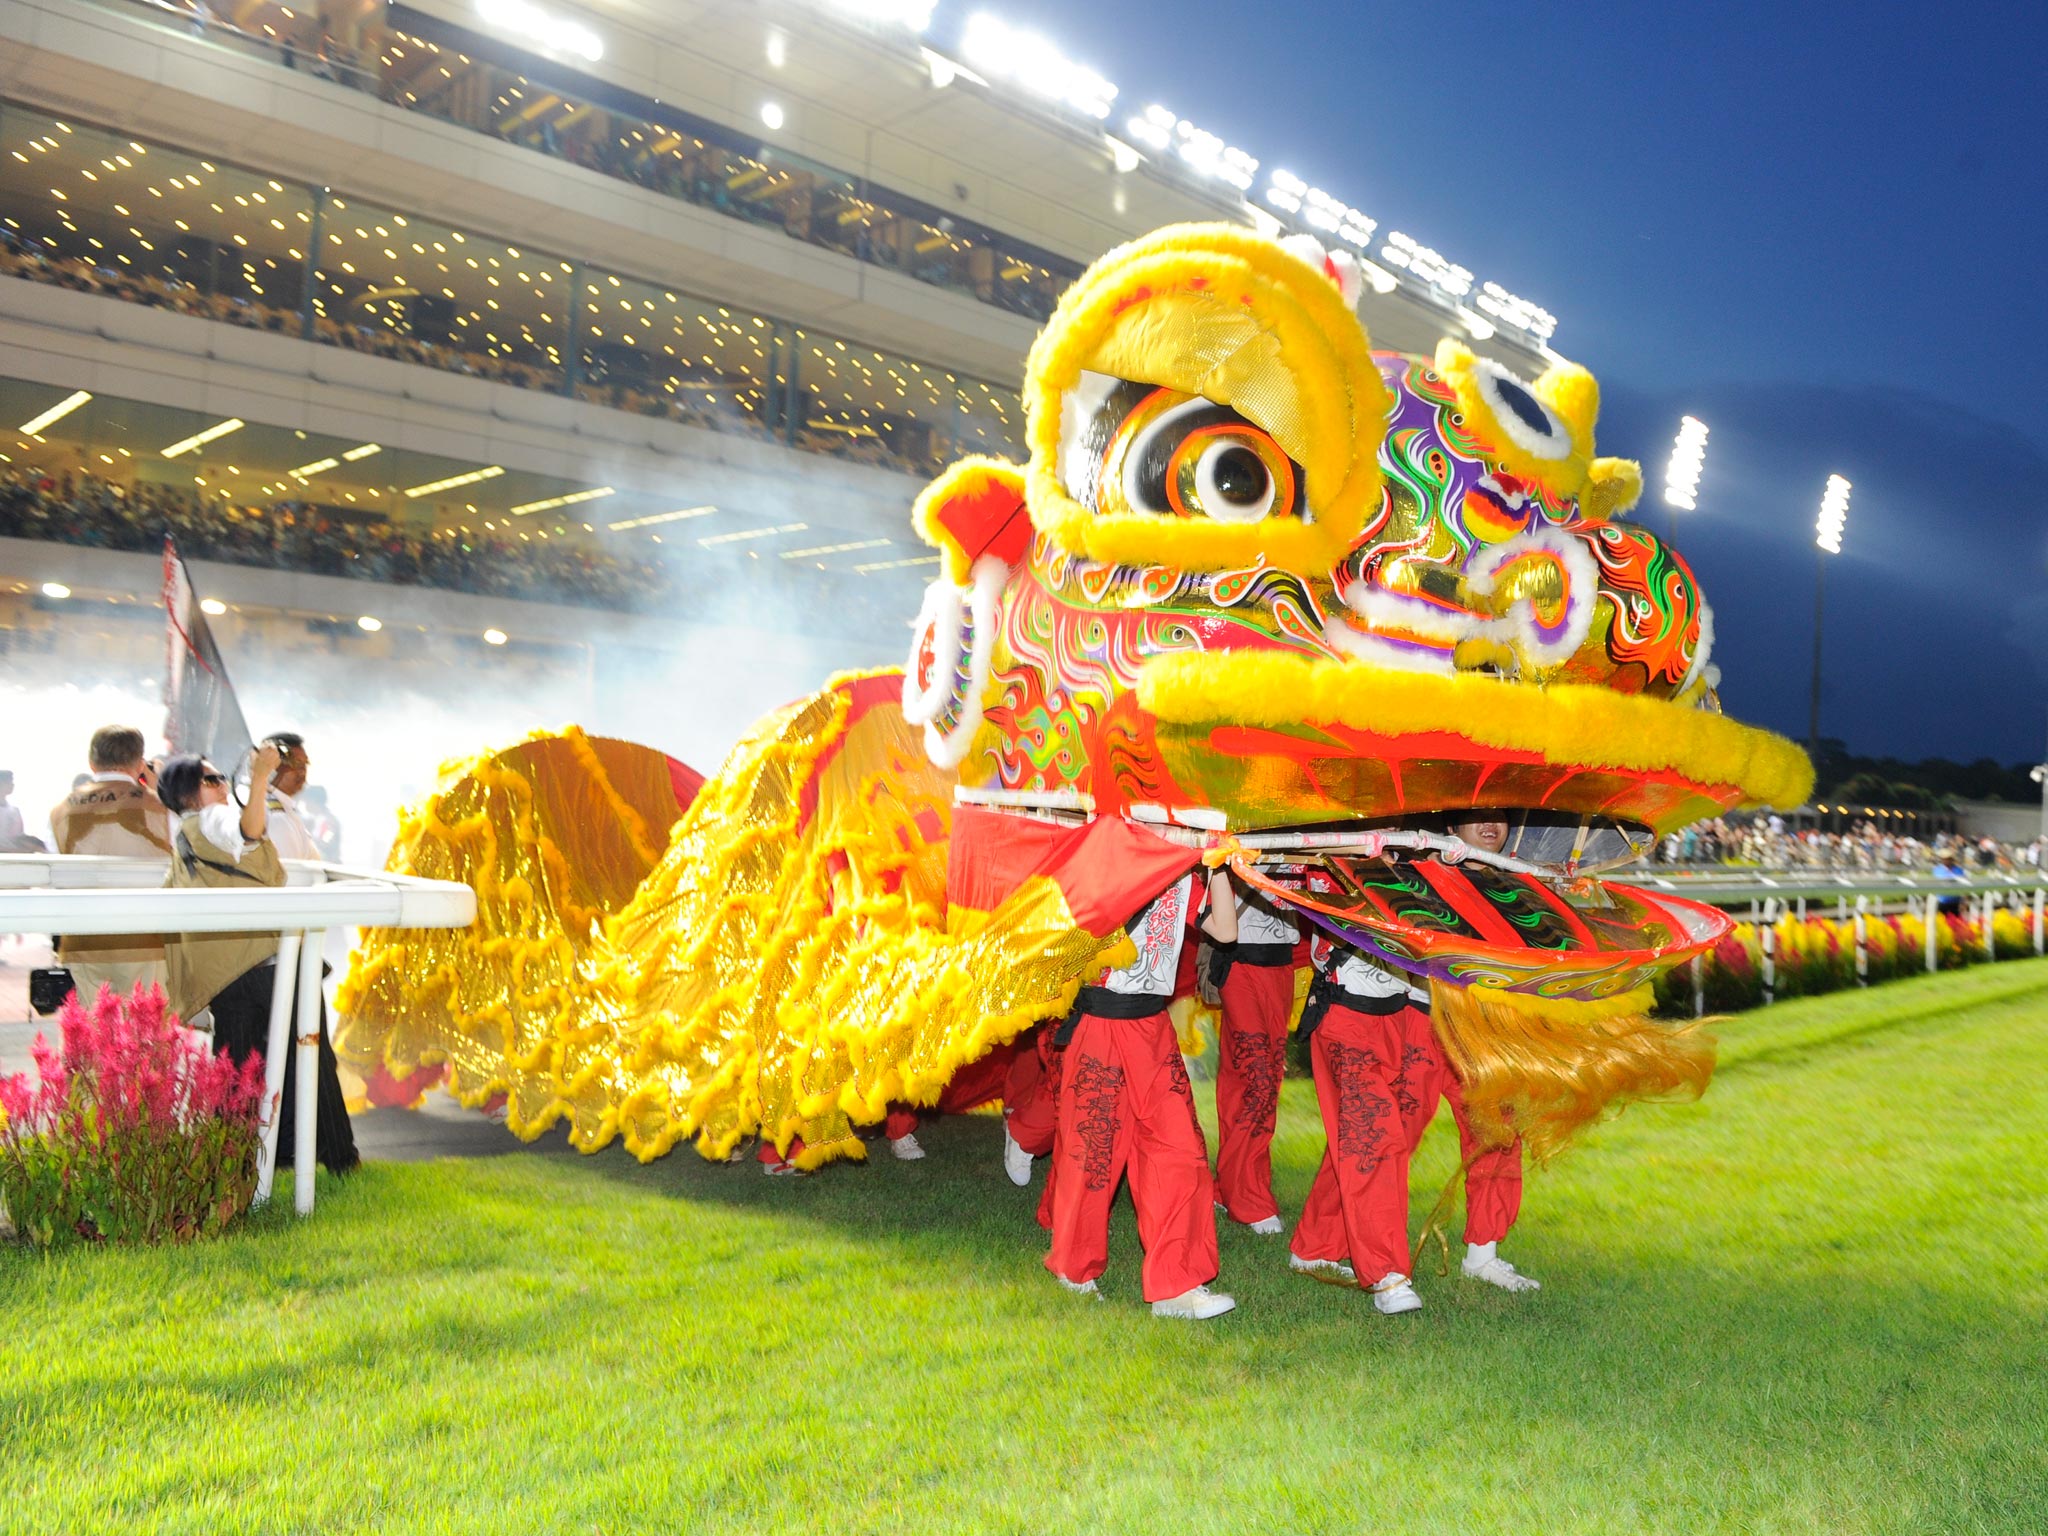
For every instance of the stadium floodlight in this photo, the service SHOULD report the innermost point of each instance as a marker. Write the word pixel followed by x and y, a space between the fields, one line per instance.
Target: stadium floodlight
pixel 534 25
pixel 317 467
pixel 56 590
pixel 915 15
pixel 1518 312
pixel 369 625
pixel 771 116
pixel 1330 215
pixel 490 473
pixel 201 439
pixel 1033 64
pixel 495 637
pixel 34 426
pixel 570 500
pixel 1426 265
pixel 213 607
pixel 745 534
pixel 659 517
pixel 1834 515
pixel 1204 152
pixel 364 452
pixel 1688 458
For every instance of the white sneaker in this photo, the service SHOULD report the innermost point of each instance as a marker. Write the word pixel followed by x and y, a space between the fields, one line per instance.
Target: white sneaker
pixel 780 1170
pixel 1497 1271
pixel 1395 1295
pixel 1270 1226
pixel 1079 1287
pixel 1016 1161
pixel 906 1149
pixel 1197 1305
pixel 1329 1271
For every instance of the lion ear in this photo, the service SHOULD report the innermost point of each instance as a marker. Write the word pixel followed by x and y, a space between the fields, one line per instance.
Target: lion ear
pixel 1613 486
pixel 975 508
pixel 1574 394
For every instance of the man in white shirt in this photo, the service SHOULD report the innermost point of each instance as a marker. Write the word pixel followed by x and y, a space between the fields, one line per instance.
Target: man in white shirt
pixel 1125 1107
pixel 116 813
pixel 288 832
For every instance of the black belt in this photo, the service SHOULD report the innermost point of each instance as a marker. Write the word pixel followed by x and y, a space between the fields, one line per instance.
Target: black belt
pixel 1325 994
pixel 1262 954
pixel 1102 1003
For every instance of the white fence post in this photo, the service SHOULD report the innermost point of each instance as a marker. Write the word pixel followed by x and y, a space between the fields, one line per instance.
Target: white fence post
pixel 1699 986
pixel 2038 933
pixel 283 972
pixel 1932 916
pixel 305 1144
pixel 1767 942
pixel 1862 941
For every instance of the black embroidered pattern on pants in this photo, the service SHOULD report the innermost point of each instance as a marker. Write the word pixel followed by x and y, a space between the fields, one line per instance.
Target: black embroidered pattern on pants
pixel 1098 1090
pixel 1258 1064
pixel 1362 1110
pixel 1177 1080
pixel 1415 1065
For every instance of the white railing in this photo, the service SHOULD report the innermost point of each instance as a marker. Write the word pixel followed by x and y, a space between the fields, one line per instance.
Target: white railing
pixel 83 895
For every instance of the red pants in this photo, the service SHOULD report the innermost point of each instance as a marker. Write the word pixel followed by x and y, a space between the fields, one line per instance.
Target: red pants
pixel 1493 1175
pixel 1251 1060
pixel 1125 1107
pixel 1358 1207
pixel 1031 1092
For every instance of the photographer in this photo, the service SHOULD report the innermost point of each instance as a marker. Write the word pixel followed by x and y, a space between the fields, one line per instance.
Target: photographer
pixel 221 846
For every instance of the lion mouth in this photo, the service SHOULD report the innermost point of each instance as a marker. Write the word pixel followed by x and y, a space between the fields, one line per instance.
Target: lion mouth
pixel 1442 910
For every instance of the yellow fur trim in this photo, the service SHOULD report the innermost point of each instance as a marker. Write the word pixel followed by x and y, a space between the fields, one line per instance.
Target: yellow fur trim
pixel 1533 1072
pixel 1566 1010
pixel 968 477
pixel 1221 312
pixel 1613 486
pixel 1566 724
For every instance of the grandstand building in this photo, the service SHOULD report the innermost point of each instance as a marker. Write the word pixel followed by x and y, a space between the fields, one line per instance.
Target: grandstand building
pixel 545 325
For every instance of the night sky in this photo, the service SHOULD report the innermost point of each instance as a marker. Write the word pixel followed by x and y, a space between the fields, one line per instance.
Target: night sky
pixel 1818 227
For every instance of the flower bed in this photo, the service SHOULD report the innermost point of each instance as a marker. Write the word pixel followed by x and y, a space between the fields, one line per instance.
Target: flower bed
pixel 1817 954
pixel 132 1131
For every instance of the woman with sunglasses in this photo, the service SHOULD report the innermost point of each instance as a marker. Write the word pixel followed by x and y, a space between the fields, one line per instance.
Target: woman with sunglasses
pixel 220 845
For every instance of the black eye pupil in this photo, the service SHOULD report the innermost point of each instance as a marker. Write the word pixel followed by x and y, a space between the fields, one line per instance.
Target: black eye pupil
pixel 1523 404
pixel 1240 476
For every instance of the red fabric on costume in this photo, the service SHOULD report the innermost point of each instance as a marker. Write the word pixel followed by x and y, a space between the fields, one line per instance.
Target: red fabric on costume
pixel 1251 1060
pixel 981 1080
pixel 1358 1206
pixel 1125 1108
pixel 1031 1093
pixel 1493 1174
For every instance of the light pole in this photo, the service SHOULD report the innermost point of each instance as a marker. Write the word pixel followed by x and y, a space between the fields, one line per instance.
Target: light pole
pixel 1834 516
pixel 1682 473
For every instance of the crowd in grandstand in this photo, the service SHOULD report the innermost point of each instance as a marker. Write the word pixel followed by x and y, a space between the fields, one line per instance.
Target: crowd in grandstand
pixel 155 291
pixel 294 535
pixel 1767 843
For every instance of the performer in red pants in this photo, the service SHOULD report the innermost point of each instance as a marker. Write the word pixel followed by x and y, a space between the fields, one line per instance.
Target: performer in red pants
pixel 1030 1102
pixel 1356 1220
pixel 1493 1172
pixel 1258 994
pixel 1125 1108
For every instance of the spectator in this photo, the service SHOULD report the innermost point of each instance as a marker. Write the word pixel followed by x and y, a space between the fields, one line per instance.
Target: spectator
pixel 231 975
pixel 287 826
pixel 14 836
pixel 114 812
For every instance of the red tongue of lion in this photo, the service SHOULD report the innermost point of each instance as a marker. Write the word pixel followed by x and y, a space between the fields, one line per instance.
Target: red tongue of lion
pixel 1473 924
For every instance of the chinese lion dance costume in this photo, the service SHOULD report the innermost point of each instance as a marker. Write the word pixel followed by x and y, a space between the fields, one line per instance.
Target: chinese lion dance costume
pixel 1258 594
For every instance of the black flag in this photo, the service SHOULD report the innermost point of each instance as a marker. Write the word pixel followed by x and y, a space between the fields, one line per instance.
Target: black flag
pixel 201 712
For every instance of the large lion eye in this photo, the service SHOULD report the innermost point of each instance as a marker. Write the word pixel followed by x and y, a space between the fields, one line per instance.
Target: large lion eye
pixel 1179 455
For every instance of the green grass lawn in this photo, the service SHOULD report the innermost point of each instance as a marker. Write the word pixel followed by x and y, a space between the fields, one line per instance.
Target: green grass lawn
pixel 1815 1301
